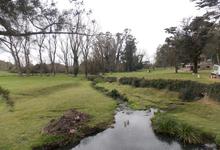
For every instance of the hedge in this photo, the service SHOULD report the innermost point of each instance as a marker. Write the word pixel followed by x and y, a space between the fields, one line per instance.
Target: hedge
pixel 189 90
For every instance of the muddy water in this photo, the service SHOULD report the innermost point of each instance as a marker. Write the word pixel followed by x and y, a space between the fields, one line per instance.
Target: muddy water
pixel 132 131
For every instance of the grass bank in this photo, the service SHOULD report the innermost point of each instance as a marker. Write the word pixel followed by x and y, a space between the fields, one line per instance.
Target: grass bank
pixel 37 100
pixel 168 73
pixel 201 116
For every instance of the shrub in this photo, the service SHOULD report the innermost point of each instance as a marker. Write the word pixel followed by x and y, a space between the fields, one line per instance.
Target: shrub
pixel 189 90
pixel 116 95
pixel 4 93
pixel 93 77
pixel 110 79
pixel 214 91
pixel 165 124
pixel 188 134
pixel 126 80
pixel 136 82
pixel 190 93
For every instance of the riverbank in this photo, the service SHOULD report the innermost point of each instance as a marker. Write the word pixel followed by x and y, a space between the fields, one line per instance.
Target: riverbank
pixel 38 100
pixel 201 115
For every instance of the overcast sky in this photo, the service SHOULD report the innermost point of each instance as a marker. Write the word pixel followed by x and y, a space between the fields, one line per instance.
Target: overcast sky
pixel 146 18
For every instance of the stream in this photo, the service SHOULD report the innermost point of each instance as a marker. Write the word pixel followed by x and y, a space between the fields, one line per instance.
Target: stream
pixel 133 131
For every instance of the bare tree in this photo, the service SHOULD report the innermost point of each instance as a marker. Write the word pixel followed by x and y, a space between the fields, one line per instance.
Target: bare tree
pixel 119 46
pixel 12 45
pixel 75 43
pixel 26 51
pixel 52 49
pixel 64 57
pixel 40 39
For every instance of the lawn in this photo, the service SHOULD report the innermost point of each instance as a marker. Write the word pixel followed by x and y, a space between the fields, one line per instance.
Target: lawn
pixel 143 98
pixel 168 73
pixel 40 99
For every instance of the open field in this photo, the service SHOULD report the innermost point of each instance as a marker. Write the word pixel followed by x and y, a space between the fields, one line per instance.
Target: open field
pixel 168 74
pixel 40 99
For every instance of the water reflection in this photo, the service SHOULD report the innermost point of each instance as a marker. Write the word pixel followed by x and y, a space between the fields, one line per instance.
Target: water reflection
pixel 132 131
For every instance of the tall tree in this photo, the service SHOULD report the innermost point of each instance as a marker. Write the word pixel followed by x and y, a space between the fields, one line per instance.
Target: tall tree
pixel 196 39
pixel 129 53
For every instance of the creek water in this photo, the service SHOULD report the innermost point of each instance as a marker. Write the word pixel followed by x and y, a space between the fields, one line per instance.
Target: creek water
pixel 133 131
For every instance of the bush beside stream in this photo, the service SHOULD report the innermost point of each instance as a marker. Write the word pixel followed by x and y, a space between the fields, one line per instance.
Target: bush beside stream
pixel 189 90
pixel 168 125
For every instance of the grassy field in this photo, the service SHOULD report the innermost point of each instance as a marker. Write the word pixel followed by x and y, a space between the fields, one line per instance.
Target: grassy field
pixel 40 99
pixel 168 74
pixel 143 98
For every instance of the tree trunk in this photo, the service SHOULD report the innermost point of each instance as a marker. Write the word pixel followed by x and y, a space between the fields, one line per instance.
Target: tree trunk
pixel 41 61
pixel 86 68
pixel 176 69
pixel 218 61
pixel 195 65
pixel 76 66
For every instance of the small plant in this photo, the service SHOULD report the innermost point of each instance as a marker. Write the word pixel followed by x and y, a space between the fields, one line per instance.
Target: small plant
pixel 93 77
pixel 188 134
pixel 214 91
pixel 4 93
pixel 114 94
pixel 110 79
pixel 165 124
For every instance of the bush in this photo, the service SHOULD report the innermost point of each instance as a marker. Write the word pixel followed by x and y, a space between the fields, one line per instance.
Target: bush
pixel 214 91
pixel 110 79
pixel 136 82
pixel 116 95
pixel 93 77
pixel 126 80
pixel 4 93
pixel 189 90
pixel 190 93
pixel 165 124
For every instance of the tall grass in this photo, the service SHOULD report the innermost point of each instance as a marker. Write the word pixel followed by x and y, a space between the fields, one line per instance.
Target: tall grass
pixel 165 124
pixel 4 93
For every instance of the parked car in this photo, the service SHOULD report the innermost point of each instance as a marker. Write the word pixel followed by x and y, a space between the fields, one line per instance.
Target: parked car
pixel 215 71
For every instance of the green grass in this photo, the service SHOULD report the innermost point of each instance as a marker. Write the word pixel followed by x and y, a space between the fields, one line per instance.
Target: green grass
pixel 168 74
pixel 40 99
pixel 142 98
pixel 203 114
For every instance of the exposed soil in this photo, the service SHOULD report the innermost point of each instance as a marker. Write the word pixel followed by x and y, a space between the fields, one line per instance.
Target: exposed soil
pixel 68 124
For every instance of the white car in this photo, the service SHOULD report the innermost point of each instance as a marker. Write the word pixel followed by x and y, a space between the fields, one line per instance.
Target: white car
pixel 216 71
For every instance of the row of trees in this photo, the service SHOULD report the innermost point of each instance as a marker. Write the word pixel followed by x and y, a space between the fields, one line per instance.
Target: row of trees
pixel 196 36
pixel 33 31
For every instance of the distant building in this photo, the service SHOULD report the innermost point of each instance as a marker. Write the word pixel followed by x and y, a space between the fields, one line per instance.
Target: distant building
pixel 205 63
